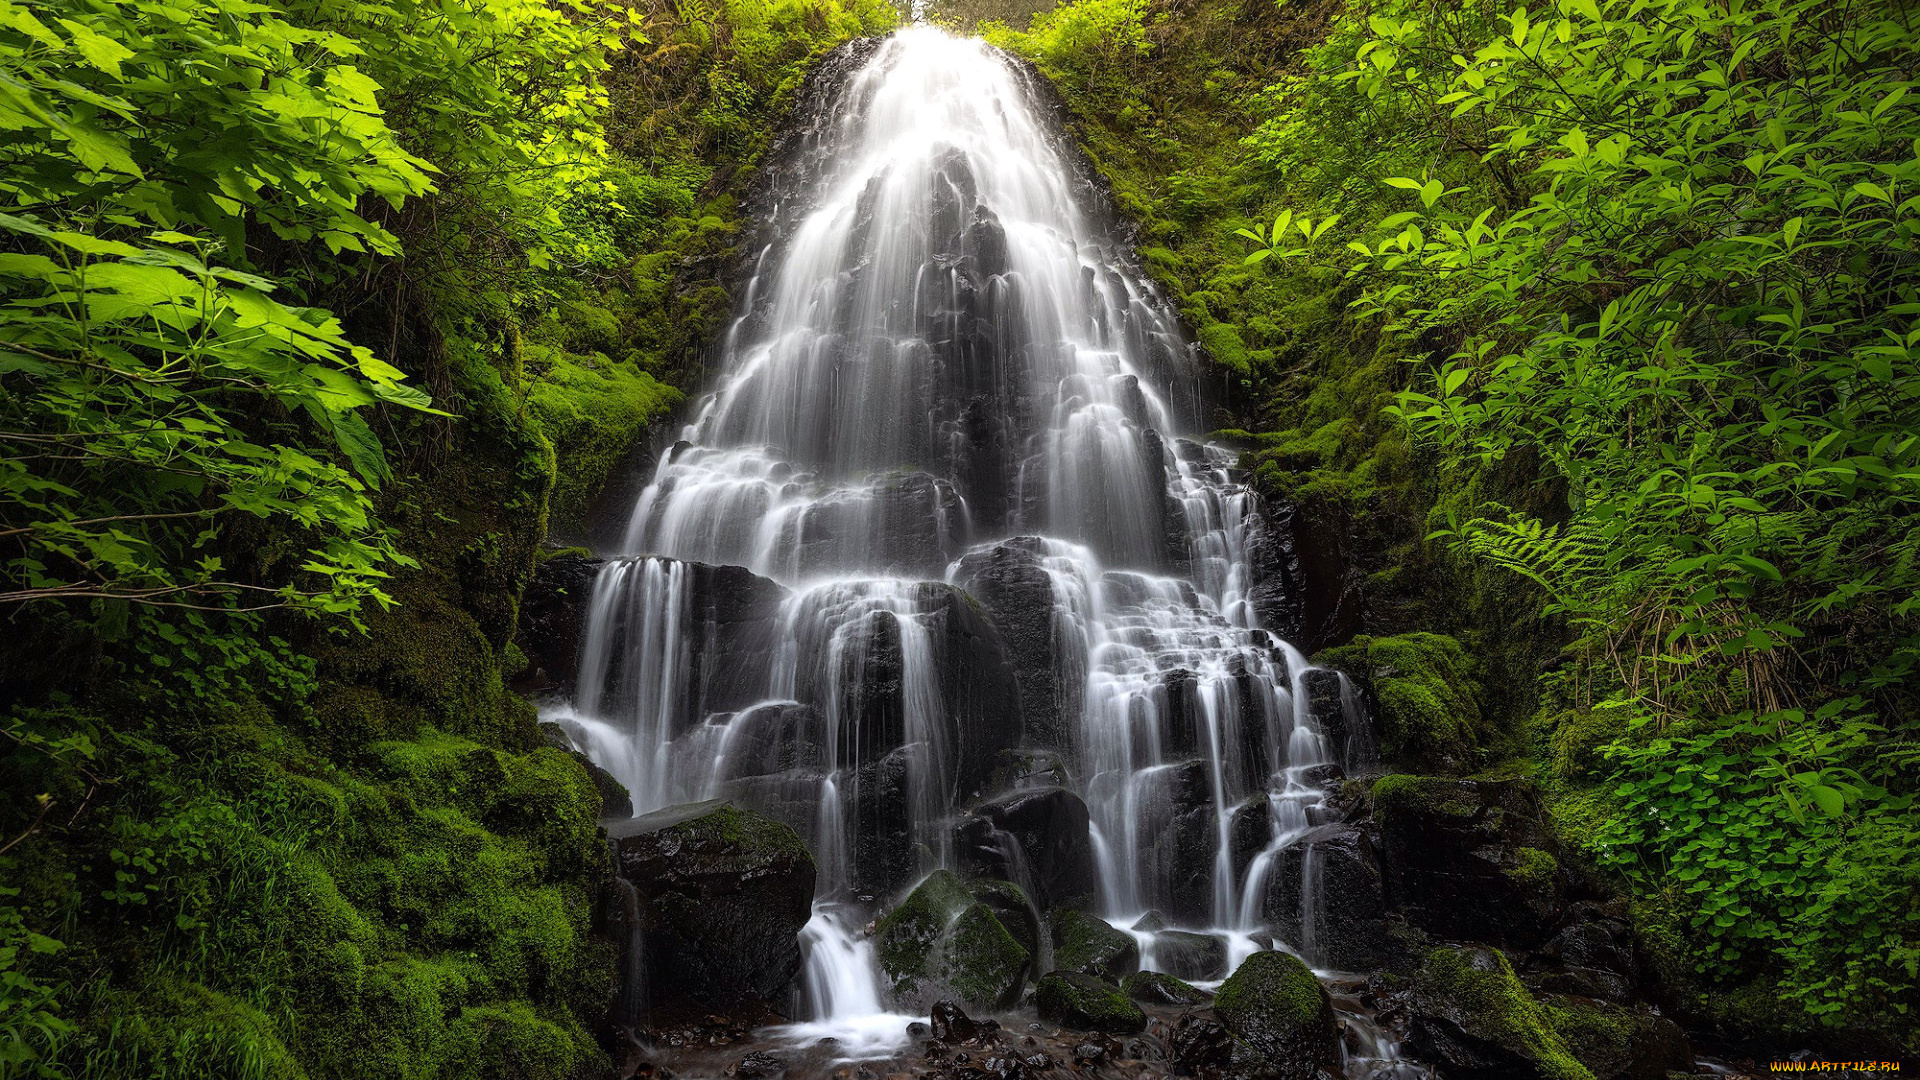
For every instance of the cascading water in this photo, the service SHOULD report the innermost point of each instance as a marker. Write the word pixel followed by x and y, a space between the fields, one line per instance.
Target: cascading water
pixel 947 424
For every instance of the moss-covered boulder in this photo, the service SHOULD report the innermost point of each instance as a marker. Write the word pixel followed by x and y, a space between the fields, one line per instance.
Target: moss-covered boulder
pixel 1159 988
pixel 1618 1043
pixel 1469 859
pixel 722 894
pixel 1470 1014
pixel 1275 1006
pixel 1081 1002
pixel 1427 701
pixel 1087 944
pixel 944 942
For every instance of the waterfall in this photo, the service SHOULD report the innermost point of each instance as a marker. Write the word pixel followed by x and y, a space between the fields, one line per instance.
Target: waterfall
pixel 950 439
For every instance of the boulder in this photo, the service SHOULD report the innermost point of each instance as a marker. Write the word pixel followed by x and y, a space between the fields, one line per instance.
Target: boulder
pixel 1015 910
pixel 721 894
pixel 773 737
pixel 1277 1008
pixel 1617 1043
pixel 1592 956
pixel 1087 944
pixel 1468 1013
pixel 1190 956
pixel 1038 837
pixel 1083 1003
pixel 1326 895
pixel 942 943
pixel 1468 859
pixel 1159 988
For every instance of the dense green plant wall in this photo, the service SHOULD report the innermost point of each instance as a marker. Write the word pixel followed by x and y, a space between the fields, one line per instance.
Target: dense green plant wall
pixel 316 318
pixel 1595 320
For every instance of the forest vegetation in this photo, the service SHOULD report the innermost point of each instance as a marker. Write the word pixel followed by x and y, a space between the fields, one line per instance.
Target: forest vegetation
pixel 1584 332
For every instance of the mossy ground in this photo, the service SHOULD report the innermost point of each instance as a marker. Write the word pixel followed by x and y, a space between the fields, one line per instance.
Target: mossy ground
pixel 1494 1006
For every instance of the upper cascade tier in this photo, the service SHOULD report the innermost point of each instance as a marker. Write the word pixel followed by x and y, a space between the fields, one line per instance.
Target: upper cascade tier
pixel 942 344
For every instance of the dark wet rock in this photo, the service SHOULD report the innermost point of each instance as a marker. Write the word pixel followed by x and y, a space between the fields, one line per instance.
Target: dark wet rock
pixel 1190 956
pixel 1277 1008
pixel 1342 924
pixel 1468 1013
pixel 737 614
pixel 940 943
pixel 758 1065
pixel 1249 833
pixel 1341 715
pixel 1274 568
pixel 1084 1003
pixel 1021 767
pixel 1180 819
pixel 885 855
pixel 1087 944
pixel 950 1024
pixel 1199 1045
pixel 1052 852
pixel 981 695
pixel 1011 584
pixel 722 894
pixel 895 525
pixel 1468 859
pixel 1617 1043
pixel 1593 956
pixel 1159 988
pixel 774 737
pixel 1150 922
pixel 552 616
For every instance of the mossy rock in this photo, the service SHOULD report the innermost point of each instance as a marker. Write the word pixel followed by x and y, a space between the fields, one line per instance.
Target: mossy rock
pixel 1427 699
pixel 1618 1043
pixel 944 941
pixel 1276 1007
pixel 1159 988
pixel 1087 944
pixel 1470 1012
pixel 1081 1002
pixel 723 894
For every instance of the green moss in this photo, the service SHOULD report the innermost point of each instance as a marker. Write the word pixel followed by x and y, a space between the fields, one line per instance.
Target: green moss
pixel 1088 944
pixel 1273 998
pixel 594 410
pixel 1534 870
pixel 1081 1002
pixel 941 939
pixel 1479 989
pixel 1161 988
pixel 1427 795
pixel 1428 717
